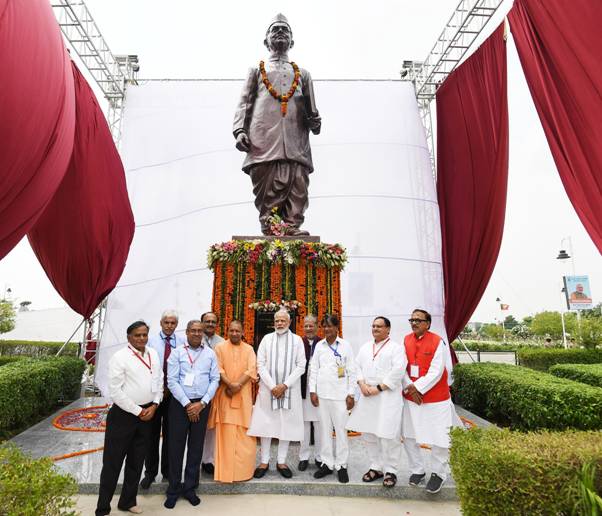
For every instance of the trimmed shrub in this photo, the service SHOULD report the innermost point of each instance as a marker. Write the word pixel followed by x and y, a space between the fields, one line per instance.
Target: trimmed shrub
pixel 543 359
pixel 499 472
pixel 34 348
pixel 9 360
pixel 525 399
pixel 474 345
pixel 31 487
pixel 30 388
pixel 584 373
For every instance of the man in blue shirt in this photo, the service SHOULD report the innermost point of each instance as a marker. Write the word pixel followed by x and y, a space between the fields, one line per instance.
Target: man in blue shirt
pixel 192 378
pixel 163 342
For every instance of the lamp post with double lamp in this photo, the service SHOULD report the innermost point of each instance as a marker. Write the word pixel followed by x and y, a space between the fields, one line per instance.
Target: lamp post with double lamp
pixel 562 256
pixel 499 302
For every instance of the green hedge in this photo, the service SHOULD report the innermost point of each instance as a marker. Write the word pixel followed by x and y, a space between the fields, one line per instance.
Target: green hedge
pixel 499 472
pixel 9 360
pixel 584 373
pixel 33 487
pixel 525 399
pixel 34 348
pixel 543 359
pixel 474 345
pixel 30 388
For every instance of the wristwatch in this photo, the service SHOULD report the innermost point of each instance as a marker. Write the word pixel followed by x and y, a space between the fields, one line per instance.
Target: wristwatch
pixel 379 387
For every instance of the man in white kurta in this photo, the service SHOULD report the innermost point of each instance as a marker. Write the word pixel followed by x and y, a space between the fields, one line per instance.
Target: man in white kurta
pixel 211 339
pixel 310 413
pixel 332 382
pixel 381 364
pixel 428 411
pixel 278 410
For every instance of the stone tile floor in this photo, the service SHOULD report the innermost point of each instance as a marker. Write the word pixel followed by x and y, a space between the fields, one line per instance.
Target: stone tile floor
pixel 44 439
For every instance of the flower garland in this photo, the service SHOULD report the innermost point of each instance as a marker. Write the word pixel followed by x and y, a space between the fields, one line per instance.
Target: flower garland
pixel 276 225
pixel 285 97
pixel 290 252
pixel 268 305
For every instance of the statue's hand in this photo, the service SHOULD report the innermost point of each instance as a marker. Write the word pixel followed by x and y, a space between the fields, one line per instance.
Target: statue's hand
pixel 314 123
pixel 243 144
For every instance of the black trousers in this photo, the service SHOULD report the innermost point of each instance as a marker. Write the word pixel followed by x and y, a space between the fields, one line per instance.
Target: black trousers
pixel 126 437
pixel 158 426
pixel 182 432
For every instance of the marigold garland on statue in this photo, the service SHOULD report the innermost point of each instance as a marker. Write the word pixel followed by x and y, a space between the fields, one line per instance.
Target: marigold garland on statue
pixel 290 252
pixel 286 96
pixel 268 305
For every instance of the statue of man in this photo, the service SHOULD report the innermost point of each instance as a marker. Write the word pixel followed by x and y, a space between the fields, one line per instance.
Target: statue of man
pixel 272 122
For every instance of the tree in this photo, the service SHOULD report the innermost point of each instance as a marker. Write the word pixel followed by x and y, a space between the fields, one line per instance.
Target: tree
pixel 492 331
pixel 549 324
pixel 591 331
pixel 7 316
pixel 510 322
pixel 596 311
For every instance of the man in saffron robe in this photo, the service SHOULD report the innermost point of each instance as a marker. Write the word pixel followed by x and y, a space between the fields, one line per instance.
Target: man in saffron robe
pixel 231 408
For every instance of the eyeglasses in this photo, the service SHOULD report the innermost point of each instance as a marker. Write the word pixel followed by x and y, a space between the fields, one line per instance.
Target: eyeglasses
pixel 417 321
pixel 211 322
pixel 195 332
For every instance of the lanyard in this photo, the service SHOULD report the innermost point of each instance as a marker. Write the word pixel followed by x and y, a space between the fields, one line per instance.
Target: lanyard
pixel 189 357
pixel 335 350
pixel 374 352
pixel 149 365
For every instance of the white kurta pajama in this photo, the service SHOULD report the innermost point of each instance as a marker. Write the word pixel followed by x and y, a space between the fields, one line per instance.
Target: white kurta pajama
pixel 332 376
pixel 272 418
pixel 378 417
pixel 310 415
pixel 429 423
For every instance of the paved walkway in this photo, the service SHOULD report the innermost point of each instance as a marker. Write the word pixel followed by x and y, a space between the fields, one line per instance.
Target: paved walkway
pixel 265 505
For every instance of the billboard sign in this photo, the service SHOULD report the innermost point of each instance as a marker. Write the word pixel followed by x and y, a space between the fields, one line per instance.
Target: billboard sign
pixel 578 293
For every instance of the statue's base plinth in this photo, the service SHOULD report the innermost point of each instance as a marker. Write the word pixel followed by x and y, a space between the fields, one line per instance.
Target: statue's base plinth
pixel 303 238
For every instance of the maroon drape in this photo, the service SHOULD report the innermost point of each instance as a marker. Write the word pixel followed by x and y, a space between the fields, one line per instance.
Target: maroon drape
pixel 560 48
pixel 83 237
pixel 37 115
pixel 472 174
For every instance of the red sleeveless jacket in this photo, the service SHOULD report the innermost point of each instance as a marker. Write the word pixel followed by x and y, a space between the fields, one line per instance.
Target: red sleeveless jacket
pixel 420 352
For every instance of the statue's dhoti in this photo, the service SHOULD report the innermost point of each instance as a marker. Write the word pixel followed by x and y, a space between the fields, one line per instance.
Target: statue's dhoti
pixel 280 184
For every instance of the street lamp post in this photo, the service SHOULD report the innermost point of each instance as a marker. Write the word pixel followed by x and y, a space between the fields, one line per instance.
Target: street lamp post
pixel 499 302
pixel 563 255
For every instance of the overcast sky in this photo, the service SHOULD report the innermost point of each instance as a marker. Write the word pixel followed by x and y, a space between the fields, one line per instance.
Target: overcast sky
pixel 352 40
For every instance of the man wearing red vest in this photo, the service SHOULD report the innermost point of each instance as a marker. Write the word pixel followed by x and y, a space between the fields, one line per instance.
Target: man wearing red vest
pixel 428 412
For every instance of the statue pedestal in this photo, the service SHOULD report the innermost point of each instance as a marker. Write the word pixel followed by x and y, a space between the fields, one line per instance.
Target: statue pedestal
pixel 254 277
pixel 308 238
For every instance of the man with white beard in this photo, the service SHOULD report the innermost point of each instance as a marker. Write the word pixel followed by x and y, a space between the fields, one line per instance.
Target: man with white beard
pixel 278 410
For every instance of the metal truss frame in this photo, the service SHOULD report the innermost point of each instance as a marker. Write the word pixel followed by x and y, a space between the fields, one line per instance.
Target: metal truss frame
pixel 112 74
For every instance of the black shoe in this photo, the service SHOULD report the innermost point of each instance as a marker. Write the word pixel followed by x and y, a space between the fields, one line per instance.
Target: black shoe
pixel 416 479
pixel 303 464
pixel 318 463
pixel 323 471
pixel 285 471
pixel 146 482
pixel 260 472
pixel 208 468
pixel 343 476
pixel 192 498
pixel 170 502
pixel 434 484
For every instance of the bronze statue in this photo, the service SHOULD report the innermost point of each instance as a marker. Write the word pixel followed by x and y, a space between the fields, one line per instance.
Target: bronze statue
pixel 272 122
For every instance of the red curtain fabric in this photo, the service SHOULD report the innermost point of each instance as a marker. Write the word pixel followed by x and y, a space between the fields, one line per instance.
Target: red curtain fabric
pixel 37 115
pixel 560 46
pixel 83 237
pixel 472 176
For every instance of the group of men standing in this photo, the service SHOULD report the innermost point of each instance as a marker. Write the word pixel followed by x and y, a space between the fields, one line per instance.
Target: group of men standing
pixel 198 392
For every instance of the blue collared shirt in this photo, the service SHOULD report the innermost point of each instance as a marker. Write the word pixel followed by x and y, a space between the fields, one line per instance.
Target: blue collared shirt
pixel 157 342
pixel 204 367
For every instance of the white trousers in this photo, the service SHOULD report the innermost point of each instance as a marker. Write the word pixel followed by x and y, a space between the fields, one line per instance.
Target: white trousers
pixel 384 454
pixel 333 414
pixel 265 450
pixel 439 458
pixel 304 452
pixel 209 446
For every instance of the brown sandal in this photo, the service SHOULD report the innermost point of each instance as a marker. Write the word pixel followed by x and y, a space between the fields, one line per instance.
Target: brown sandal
pixel 390 480
pixel 371 475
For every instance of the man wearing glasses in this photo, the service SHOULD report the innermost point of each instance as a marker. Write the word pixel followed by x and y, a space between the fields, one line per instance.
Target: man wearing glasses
pixel 210 339
pixel 428 412
pixel 192 378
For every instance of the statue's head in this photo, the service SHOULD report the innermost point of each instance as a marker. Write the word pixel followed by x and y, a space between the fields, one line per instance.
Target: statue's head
pixel 279 36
